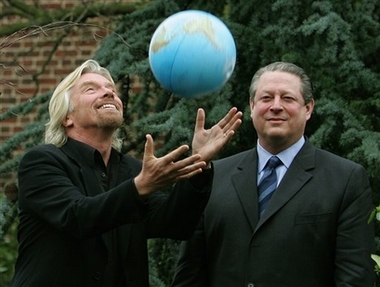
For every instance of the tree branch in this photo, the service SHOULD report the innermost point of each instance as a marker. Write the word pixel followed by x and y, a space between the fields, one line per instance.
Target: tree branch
pixel 38 18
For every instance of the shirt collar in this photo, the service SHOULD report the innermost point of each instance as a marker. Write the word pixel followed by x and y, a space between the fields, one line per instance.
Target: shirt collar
pixel 286 156
pixel 88 152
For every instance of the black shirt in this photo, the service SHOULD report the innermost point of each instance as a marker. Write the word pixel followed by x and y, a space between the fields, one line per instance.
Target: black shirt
pixel 107 178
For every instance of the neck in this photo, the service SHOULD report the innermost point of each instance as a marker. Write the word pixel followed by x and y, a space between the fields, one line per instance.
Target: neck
pixel 100 141
pixel 277 145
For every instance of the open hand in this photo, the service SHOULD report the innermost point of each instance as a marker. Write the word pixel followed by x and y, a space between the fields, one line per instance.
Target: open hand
pixel 209 142
pixel 157 173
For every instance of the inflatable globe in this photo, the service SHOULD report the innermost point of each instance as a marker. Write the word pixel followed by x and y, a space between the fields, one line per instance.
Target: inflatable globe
pixel 192 53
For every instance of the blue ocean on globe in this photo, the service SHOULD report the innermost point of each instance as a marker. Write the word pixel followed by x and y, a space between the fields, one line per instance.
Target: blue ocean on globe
pixel 192 53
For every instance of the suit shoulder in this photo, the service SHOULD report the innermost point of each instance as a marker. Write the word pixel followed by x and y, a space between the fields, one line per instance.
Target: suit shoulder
pixel 235 158
pixel 329 156
pixel 44 152
pixel 336 163
pixel 42 149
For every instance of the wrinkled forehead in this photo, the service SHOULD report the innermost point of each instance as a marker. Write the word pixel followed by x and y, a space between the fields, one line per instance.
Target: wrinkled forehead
pixel 278 80
pixel 93 80
pixel 95 77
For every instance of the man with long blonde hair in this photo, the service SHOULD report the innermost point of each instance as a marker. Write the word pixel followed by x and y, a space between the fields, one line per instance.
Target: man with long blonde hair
pixel 86 210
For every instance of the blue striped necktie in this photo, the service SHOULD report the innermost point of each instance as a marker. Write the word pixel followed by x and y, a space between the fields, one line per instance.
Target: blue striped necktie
pixel 268 183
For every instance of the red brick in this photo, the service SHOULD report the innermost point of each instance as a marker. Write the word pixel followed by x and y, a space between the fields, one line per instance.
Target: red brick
pixel 78 47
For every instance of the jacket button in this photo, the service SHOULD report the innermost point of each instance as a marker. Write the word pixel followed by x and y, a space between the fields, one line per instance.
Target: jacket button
pixel 250 285
pixel 98 276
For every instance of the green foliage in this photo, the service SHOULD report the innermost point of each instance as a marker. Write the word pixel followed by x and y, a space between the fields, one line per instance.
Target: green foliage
pixel 153 110
pixel 8 246
pixel 8 242
pixel 30 136
pixel 163 256
pixel 336 42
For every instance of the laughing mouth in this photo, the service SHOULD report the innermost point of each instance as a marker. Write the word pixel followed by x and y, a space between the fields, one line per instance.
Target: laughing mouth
pixel 107 106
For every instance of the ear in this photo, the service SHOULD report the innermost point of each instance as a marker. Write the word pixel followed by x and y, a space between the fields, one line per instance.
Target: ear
pixel 251 106
pixel 309 109
pixel 251 102
pixel 67 122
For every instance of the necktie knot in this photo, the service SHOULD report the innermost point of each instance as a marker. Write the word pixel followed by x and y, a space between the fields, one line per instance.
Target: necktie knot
pixel 273 162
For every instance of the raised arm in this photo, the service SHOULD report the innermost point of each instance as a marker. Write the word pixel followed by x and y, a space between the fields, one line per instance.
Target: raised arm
pixel 207 143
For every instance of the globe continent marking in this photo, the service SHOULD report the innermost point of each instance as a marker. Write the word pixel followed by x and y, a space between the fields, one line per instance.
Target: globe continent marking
pixel 202 25
pixel 192 53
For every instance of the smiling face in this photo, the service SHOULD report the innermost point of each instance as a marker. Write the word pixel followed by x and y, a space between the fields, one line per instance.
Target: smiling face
pixel 278 110
pixel 96 106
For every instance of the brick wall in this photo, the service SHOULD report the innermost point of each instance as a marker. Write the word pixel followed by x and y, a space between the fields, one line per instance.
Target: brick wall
pixel 23 73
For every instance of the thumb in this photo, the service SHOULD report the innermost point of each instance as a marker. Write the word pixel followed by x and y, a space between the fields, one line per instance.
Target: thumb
pixel 200 120
pixel 149 146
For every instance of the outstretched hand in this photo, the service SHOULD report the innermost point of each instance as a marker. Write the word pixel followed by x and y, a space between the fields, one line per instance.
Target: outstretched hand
pixel 207 143
pixel 157 173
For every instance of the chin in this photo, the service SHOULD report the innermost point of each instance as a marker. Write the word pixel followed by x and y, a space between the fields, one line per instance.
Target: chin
pixel 111 123
pixel 276 138
pixel 276 133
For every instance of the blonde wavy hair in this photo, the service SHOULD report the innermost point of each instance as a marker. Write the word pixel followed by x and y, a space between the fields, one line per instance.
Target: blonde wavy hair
pixel 60 104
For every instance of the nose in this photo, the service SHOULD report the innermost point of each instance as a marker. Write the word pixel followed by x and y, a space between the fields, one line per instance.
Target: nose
pixel 108 92
pixel 276 104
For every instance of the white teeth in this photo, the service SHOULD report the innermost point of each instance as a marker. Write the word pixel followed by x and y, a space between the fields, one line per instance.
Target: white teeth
pixel 108 106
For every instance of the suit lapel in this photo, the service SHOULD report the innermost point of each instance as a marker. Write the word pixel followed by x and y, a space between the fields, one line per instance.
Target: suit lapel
pixel 124 171
pixel 86 172
pixel 91 185
pixel 90 181
pixel 245 185
pixel 294 179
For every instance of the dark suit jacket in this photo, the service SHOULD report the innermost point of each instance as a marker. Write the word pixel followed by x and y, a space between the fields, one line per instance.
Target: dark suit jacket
pixel 314 232
pixel 63 214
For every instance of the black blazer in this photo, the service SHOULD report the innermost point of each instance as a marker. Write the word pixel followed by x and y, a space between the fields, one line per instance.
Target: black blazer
pixel 314 232
pixel 63 214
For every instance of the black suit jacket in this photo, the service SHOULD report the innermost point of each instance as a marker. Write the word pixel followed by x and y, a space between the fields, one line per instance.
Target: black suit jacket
pixel 63 214
pixel 314 232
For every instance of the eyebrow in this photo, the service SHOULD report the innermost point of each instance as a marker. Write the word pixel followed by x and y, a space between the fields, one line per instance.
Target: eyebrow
pixel 95 83
pixel 282 91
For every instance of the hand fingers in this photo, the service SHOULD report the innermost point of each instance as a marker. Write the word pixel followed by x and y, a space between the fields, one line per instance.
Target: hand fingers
pixel 227 118
pixel 189 164
pixel 149 146
pixel 183 166
pixel 189 174
pixel 200 121
pixel 175 154
pixel 231 121
pixel 183 169
pixel 233 125
pixel 186 169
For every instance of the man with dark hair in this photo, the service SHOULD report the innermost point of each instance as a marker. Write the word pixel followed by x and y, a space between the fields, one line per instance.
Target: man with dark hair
pixel 284 214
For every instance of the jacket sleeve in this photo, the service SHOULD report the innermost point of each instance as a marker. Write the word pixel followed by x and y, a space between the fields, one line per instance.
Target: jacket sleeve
pixel 51 188
pixel 191 269
pixel 177 214
pixel 355 237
